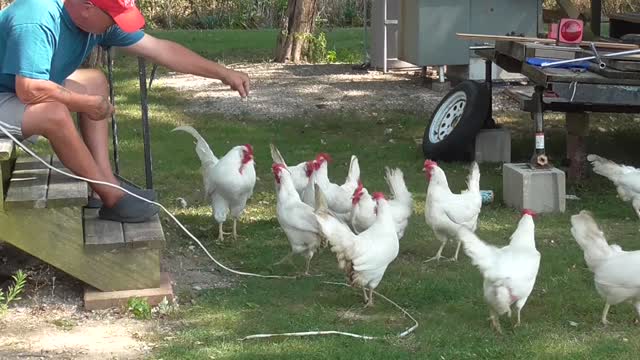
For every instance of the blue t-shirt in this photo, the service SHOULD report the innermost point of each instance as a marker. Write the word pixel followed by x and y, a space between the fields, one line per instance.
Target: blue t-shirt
pixel 38 40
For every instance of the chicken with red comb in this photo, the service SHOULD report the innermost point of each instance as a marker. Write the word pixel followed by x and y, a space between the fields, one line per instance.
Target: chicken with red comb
pixel 445 211
pixel 363 257
pixel 401 203
pixel 300 173
pixel 228 181
pixel 296 218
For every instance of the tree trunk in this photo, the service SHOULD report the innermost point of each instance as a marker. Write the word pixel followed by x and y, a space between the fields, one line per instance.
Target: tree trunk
pixel 292 40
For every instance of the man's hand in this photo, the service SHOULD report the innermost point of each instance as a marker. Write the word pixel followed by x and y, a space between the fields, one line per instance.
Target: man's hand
pixel 99 108
pixel 238 81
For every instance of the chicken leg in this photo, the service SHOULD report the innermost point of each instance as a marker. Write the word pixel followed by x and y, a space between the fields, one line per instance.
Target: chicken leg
pixel 221 233
pixel 235 229
pixel 455 256
pixel 370 300
pixel 495 322
pixel 438 255
pixel 309 256
pixel 519 305
pixel 286 258
pixel 604 314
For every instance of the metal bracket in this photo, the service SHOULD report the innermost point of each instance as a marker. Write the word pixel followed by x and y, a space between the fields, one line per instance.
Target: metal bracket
pixel 601 63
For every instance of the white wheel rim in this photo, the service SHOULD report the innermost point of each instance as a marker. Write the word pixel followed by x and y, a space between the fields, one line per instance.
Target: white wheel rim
pixel 447 117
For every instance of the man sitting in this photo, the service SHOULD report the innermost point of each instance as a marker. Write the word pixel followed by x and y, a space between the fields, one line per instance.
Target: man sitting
pixel 42 44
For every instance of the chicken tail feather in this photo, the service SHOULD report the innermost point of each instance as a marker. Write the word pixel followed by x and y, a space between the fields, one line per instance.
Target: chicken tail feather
pixel 605 167
pixel 473 180
pixel 590 238
pixel 397 185
pixel 481 254
pixel 202 148
pixel 276 156
pixel 354 171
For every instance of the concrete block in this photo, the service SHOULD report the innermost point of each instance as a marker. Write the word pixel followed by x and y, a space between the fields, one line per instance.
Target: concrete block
pixel 493 145
pixel 438 86
pixel 541 190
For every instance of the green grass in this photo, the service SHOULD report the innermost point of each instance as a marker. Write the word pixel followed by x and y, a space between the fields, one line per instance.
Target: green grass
pixel 446 298
pixel 258 45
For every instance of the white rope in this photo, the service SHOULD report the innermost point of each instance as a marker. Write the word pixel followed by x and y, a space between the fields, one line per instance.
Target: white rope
pixel 575 87
pixel 333 332
pixel 299 334
pixel 28 151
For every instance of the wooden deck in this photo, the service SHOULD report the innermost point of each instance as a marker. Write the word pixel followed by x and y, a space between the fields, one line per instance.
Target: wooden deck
pixel 44 214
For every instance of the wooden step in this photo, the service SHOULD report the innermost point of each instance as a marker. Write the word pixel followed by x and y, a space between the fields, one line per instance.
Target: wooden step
pixel 7 148
pixel 33 186
pixel 105 235
pixel 56 236
pixel 7 157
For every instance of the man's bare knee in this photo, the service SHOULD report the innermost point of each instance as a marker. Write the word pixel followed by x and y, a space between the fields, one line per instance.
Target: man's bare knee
pixel 47 119
pixel 88 81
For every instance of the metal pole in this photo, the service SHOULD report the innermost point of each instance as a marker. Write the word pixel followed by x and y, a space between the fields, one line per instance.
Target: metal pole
pixel 142 73
pixel 366 35
pixel 384 52
pixel 488 78
pixel 596 16
pixel 570 61
pixel 539 158
pixel 153 74
pixel 114 122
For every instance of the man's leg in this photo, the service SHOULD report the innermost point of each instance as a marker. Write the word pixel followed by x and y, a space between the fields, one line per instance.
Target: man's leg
pixel 95 133
pixel 53 121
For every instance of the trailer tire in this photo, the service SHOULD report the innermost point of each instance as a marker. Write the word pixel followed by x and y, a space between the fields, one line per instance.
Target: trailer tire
pixel 452 129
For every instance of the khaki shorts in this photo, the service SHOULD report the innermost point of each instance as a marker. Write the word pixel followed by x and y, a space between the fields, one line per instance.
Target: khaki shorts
pixel 11 116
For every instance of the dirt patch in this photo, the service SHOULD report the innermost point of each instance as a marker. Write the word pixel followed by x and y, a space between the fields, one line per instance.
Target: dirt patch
pixel 282 91
pixel 49 322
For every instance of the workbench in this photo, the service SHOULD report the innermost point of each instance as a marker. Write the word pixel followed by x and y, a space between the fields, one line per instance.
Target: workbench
pixel 572 91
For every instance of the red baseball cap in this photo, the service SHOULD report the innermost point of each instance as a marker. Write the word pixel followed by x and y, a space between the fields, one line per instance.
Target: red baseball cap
pixel 124 12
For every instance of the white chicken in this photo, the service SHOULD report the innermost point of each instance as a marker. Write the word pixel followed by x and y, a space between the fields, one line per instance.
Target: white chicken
pixel 625 178
pixel 296 218
pixel 228 181
pixel 615 270
pixel 308 194
pixel 444 211
pixel 299 173
pixel 363 215
pixel 366 256
pixel 339 197
pixel 509 272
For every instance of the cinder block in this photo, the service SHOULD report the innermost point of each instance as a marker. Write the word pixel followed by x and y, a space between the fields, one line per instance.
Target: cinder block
pixel 541 190
pixel 493 145
pixel 438 86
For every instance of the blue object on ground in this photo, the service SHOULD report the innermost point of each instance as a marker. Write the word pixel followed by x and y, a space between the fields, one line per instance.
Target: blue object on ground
pixel 539 61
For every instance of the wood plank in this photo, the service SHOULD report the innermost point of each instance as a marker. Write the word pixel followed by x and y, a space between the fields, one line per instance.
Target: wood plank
pixel 101 235
pixel 549 75
pixel 28 185
pixel 100 300
pixel 65 191
pixel 629 17
pixel 56 237
pixel 612 73
pixel 6 148
pixel 6 168
pixel 599 44
pixel 146 234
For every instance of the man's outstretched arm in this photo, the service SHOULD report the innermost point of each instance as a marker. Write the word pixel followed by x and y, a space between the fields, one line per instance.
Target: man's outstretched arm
pixel 178 58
